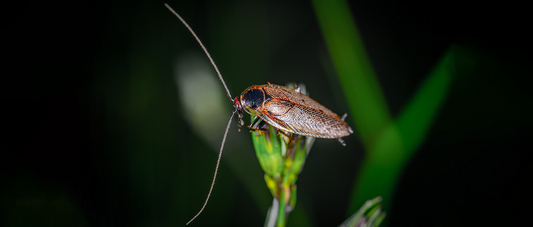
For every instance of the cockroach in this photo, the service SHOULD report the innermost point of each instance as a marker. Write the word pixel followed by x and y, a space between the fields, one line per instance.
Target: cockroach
pixel 284 108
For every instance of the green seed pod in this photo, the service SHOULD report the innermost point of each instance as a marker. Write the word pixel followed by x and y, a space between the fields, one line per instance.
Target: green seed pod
pixel 269 149
pixel 282 155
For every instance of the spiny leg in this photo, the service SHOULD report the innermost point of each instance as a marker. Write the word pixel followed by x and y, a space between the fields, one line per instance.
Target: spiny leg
pixel 344 116
pixel 341 141
pixel 283 133
pixel 349 129
pixel 257 125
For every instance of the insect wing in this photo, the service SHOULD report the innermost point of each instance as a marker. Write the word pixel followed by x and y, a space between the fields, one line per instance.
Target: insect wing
pixel 297 113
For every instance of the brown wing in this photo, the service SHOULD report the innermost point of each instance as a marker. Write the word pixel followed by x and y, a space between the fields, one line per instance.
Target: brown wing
pixel 297 113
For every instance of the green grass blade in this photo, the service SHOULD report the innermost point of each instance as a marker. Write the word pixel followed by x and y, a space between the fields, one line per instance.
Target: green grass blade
pixel 388 143
pixel 400 140
pixel 359 83
pixel 415 119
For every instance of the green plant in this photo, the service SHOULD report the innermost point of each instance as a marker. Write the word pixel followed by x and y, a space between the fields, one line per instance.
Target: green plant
pixel 282 156
pixel 388 142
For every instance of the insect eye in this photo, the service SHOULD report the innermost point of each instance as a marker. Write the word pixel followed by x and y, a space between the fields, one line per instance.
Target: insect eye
pixel 253 98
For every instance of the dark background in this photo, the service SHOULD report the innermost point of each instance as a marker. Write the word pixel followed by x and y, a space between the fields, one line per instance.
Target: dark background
pixel 97 134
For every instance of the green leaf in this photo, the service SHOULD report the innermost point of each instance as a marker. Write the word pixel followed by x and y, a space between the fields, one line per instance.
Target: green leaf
pixel 388 143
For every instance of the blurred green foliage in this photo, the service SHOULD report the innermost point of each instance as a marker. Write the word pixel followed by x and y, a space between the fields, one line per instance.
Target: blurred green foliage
pixel 369 214
pixel 389 143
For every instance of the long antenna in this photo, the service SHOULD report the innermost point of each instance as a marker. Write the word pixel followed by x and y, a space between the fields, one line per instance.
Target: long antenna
pixel 216 168
pixel 231 118
pixel 203 47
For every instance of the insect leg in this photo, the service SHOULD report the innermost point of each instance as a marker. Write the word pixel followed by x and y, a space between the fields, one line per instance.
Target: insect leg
pixel 349 129
pixel 257 124
pixel 341 141
pixel 344 116
pixel 296 88
pixel 283 133
pixel 254 123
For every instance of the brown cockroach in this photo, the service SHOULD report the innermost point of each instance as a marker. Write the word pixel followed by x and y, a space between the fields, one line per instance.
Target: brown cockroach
pixel 284 108
pixel 289 110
